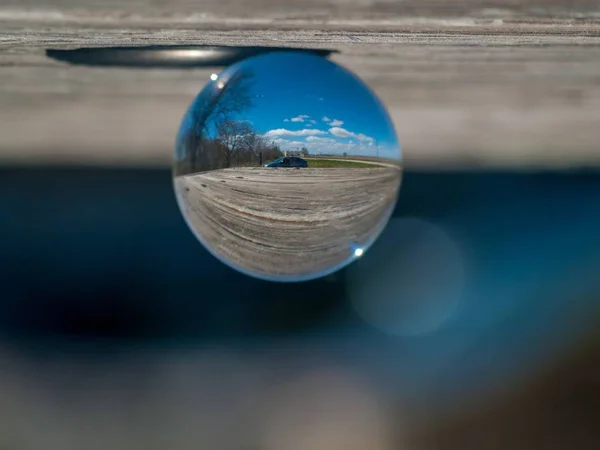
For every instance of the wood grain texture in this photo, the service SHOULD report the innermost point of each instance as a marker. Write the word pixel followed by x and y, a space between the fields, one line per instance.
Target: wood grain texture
pixel 471 83
pixel 288 223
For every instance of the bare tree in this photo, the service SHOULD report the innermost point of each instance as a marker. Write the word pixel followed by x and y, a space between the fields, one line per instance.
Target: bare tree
pixel 252 145
pixel 235 135
pixel 221 102
pixel 271 152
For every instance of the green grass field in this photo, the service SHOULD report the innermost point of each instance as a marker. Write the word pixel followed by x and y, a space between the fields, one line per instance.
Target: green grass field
pixel 327 163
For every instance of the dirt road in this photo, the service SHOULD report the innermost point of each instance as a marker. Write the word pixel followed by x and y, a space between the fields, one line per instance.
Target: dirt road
pixel 288 223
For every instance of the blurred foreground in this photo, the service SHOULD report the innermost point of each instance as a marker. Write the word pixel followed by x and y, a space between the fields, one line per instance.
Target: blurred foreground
pixel 469 325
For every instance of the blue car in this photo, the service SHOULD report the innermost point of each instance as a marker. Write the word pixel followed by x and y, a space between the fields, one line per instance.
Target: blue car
pixel 288 161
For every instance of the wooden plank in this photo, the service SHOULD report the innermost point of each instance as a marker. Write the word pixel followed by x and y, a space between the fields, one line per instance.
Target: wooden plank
pixel 475 84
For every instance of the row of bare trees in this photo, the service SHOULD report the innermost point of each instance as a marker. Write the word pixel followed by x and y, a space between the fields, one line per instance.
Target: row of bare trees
pixel 212 135
pixel 235 144
pixel 240 145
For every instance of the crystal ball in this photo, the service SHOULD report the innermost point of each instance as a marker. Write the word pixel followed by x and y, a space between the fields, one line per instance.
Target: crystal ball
pixel 287 166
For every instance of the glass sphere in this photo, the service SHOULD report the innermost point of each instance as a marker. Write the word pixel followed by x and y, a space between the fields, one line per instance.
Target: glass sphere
pixel 287 166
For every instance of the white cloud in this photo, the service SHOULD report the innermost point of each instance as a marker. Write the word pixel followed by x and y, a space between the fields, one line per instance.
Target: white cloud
pixel 320 140
pixel 335 147
pixel 343 133
pixel 286 120
pixel 300 118
pixel 318 145
pixel 336 123
pixel 284 144
pixel 284 132
pixel 336 141
pixel 281 141
pixel 313 121
pixel 326 119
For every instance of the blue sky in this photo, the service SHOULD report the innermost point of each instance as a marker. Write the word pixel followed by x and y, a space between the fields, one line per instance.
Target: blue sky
pixel 320 106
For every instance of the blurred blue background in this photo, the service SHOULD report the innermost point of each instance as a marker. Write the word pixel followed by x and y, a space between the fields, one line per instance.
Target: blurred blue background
pixel 481 281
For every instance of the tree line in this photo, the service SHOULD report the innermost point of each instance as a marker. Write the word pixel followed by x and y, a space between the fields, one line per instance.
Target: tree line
pixel 235 144
pixel 213 137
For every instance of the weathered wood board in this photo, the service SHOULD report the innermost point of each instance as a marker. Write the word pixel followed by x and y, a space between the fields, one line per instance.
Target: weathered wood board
pixel 468 83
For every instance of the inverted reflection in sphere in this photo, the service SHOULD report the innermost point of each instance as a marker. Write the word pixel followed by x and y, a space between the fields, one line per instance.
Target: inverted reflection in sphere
pixel 287 167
